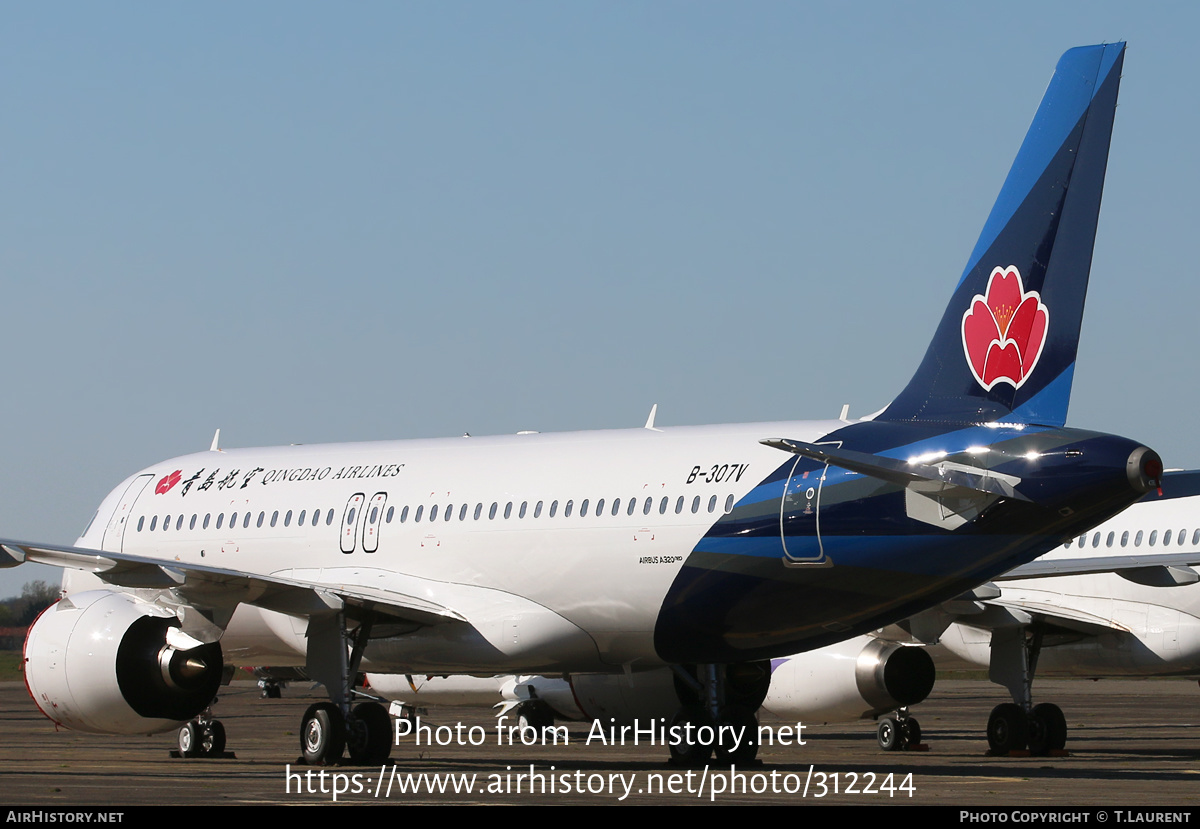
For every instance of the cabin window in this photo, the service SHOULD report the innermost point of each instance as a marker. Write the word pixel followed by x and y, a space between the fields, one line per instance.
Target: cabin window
pixel 246 521
pixel 695 505
pixel 537 510
pixel 433 512
pixel 179 522
pixel 220 518
pixel 404 513
pixel 553 508
pixel 632 506
pixel 679 505
pixel 287 518
pixel 1125 539
pixel 567 509
pixel 1108 542
pixel 662 505
pixel 492 510
pixel 1153 537
pixel 478 511
pixel 141 521
pixel 1167 538
pixel 462 513
pixel 524 508
pixel 583 508
pixel 1137 539
pixel 599 508
pixel 207 515
pixel 192 523
pixel 329 517
pixel 274 518
pixel 508 510
pixel 420 511
pixel 729 506
pixel 712 504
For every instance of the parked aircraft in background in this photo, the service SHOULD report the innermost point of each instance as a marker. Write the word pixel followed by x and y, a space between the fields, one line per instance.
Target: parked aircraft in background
pixel 1118 601
pixel 605 552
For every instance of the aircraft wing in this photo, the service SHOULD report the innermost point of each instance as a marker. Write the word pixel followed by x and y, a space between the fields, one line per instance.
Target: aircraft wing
pixel 1061 616
pixel 221 589
pixel 1157 569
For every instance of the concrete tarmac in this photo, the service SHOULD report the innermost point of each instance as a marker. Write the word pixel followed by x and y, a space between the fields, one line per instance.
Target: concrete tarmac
pixel 1133 744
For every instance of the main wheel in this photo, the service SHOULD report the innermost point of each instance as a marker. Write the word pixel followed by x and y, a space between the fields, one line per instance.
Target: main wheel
pixel 890 734
pixel 1047 728
pixel 322 734
pixel 189 740
pixel 369 734
pixel 1008 728
pixel 737 721
pixel 693 753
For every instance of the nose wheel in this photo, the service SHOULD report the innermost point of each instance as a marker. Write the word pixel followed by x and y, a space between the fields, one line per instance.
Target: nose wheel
pixel 201 738
pixel 899 733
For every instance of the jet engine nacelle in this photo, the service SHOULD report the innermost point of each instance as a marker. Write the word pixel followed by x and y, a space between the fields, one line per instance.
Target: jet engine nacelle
pixel 100 661
pixel 860 678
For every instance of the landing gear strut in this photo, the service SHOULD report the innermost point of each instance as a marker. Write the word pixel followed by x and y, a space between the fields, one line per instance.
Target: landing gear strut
pixel 1020 725
pixel 330 728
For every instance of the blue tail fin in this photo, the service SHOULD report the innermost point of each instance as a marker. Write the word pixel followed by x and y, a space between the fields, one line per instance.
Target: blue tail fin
pixel 1005 348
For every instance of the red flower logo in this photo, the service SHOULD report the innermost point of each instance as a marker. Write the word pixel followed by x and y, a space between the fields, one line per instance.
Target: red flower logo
pixel 168 481
pixel 1003 332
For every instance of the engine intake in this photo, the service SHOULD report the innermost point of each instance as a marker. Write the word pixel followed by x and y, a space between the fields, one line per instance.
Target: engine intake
pixel 100 661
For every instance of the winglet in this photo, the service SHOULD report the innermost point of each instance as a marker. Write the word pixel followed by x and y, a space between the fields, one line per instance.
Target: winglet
pixel 216 447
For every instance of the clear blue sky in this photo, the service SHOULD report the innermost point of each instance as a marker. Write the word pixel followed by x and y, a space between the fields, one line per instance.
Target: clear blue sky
pixel 316 222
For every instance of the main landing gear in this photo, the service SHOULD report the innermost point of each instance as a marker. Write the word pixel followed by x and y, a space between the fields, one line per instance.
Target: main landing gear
pixel 330 729
pixel 1020 725
pixel 717 717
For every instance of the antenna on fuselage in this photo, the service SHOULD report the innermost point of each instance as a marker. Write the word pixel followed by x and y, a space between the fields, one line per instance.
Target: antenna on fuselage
pixel 650 419
pixel 216 444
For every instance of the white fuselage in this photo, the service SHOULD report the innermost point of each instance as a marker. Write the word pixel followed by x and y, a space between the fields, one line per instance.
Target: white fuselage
pixel 558 548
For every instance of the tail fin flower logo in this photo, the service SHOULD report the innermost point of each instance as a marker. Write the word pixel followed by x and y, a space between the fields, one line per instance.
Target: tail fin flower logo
pixel 1003 331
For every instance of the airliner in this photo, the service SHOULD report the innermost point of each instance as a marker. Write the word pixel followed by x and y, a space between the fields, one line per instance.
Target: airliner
pixel 615 551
